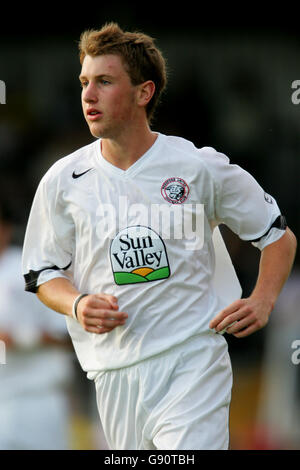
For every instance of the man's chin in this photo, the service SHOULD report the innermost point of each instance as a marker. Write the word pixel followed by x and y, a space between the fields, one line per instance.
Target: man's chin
pixel 95 132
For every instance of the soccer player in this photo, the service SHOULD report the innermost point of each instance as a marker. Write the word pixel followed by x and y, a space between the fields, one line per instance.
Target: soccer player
pixel 143 304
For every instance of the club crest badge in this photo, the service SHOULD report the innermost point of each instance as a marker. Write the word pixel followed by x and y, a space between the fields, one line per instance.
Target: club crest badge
pixel 175 190
pixel 138 254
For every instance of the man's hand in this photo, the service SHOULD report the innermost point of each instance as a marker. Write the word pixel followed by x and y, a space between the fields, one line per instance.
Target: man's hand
pixel 99 313
pixel 244 315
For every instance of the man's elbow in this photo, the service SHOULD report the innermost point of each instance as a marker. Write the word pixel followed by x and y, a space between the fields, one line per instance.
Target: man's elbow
pixel 292 239
pixel 286 246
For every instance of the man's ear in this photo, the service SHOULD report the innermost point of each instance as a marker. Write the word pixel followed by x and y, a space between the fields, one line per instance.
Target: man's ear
pixel 145 92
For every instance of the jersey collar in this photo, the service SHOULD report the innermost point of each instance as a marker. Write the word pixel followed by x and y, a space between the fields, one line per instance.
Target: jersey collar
pixel 136 166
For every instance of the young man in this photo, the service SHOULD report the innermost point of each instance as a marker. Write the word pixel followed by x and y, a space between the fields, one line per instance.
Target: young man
pixel 143 304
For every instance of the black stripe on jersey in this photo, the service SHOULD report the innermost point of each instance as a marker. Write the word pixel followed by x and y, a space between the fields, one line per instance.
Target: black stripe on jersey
pixel 32 277
pixel 280 223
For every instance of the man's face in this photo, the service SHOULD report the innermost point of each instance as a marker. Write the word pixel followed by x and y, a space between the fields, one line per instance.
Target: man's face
pixel 108 97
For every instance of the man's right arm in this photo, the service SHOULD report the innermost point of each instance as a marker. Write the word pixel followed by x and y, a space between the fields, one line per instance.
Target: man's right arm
pixel 97 313
pixel 47 243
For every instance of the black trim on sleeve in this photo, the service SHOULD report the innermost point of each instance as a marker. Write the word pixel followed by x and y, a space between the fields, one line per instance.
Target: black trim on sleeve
pixel 32 277
pixel 279 223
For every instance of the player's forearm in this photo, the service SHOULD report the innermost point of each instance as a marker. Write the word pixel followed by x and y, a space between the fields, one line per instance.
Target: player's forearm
pixel 245 316
pixel 58 294
pixel 97 313
pixel 275 266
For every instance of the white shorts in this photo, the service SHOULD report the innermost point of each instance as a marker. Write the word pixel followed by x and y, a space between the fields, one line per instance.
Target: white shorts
pixel 177 400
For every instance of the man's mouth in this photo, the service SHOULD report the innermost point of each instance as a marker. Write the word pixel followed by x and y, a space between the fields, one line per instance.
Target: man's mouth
pixel 93 114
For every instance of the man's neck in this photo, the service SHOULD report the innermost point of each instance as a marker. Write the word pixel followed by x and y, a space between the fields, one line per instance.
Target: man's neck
pixel 126 150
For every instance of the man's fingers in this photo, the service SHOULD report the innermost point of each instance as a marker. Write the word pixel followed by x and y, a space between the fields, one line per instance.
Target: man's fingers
pixel 246 331
pixel 100 305
pixel 108 320
pixel 110 299
pixel 222 319
pixel 242 317
pixel 98 329
pixel 240 325
pixel 103 324
pixel 104 314
pixel 100 313
pixel 99 301
pixel 232 321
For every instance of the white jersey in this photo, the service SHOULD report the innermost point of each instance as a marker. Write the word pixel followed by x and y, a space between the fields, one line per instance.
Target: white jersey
pixel 147 236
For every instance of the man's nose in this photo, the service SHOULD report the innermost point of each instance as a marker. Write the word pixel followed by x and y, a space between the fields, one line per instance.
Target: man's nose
pixel 89 94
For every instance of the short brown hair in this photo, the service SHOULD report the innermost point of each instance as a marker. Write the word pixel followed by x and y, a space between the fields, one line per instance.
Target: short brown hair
pixel 141 58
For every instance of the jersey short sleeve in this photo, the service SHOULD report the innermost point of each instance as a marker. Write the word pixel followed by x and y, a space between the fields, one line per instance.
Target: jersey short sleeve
pixel 241 203
pixel 47 250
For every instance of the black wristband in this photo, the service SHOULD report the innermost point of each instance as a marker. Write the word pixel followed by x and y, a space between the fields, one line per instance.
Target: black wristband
pixel 75 304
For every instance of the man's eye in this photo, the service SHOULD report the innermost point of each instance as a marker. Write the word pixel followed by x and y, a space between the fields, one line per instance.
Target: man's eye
pixel 83 84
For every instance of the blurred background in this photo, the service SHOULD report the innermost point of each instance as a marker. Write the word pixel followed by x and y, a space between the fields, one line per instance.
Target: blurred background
pixel 230 87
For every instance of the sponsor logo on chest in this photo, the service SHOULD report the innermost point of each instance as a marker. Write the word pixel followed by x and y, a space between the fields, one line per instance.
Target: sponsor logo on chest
pixel 138 254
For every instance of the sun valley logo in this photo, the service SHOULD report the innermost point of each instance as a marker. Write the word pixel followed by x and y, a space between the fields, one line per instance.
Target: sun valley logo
pixel 175 190
pixel 138 254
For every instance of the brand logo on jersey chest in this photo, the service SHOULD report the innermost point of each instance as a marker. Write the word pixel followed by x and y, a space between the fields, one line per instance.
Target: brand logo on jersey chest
pixel 175 190
pixel 138 254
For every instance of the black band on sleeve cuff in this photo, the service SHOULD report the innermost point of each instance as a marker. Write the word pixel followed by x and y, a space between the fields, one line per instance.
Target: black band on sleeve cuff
pixel 279 223
pixel 31 278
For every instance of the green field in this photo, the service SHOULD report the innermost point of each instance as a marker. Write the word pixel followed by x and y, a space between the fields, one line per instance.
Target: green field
pixel 131 278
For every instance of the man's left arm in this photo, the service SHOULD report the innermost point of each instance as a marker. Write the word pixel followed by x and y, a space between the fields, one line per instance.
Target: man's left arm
pixel 251 314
